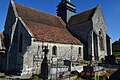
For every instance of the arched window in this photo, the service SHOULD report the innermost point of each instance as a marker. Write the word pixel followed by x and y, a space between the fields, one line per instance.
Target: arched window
pixel 54 51
pixel 79 50
pixel 101 41
pixel 20 42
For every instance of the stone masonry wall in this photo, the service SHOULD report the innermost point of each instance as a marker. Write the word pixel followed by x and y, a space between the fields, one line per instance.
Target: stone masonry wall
pixel 99 25
pixel 84 33
pixel 15 60
pixel 64 51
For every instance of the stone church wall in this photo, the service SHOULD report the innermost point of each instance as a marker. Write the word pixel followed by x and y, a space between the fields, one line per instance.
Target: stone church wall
pixel 15 56
pixel 64 51
pixel 83 33
pixel 10 20
pixel 81 30
pixel 29 60
pixel 93 35
pixel 99 27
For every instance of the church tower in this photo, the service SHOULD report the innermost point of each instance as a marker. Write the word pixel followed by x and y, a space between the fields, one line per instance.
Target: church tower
pixel 66 9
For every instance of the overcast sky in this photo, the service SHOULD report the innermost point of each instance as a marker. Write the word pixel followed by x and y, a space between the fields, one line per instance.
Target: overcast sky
pixel 110 8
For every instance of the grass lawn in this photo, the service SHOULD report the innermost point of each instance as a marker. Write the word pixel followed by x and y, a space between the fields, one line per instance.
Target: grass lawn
pixel 116 53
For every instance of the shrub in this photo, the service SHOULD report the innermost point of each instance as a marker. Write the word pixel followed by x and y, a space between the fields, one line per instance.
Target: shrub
pixel 75 73
pixel 35 77
pixel 52 79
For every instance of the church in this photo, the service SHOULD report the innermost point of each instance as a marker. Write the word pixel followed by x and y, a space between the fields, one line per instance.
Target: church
pixel 68 36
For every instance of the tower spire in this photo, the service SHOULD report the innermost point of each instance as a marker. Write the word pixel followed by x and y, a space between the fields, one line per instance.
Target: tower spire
pixel 66 9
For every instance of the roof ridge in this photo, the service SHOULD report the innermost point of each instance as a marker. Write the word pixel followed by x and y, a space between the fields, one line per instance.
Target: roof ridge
pixel 14 7
pixel 36 9
pixel 82 17
pixel 62 22
pixel 85 11
pixel 45 26
pixel 27 13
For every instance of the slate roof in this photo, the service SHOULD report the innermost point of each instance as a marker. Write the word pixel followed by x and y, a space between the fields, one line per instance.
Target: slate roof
pixel 45 27
pixel 81 17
